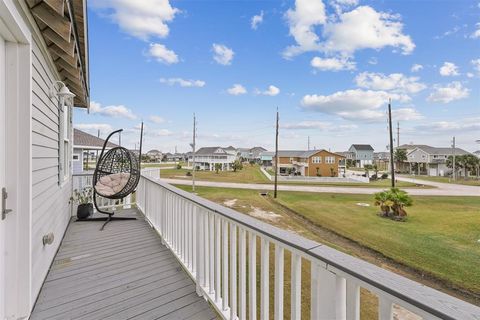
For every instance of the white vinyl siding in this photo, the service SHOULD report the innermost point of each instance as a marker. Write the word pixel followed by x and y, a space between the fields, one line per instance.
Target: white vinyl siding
pixel 50 207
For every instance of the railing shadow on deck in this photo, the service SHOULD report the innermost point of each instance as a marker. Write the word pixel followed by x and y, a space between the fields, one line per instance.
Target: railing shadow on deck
pixel 224 252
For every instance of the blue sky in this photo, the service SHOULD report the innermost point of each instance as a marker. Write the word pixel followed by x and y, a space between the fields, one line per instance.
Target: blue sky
pixel 330 67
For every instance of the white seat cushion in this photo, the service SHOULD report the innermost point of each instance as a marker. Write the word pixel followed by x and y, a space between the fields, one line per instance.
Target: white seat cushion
pixel 112 184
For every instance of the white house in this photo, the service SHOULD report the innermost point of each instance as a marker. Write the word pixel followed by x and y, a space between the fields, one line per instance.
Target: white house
pixel 206 158
pixel 362 154
pixel 431 161
pixel 41 43
pixel 86 147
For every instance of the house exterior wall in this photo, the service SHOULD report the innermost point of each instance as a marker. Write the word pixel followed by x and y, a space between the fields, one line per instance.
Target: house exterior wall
pixel 324 169
pixel 362 157
pixel 77 165
pixel 50 197
pixel 418 156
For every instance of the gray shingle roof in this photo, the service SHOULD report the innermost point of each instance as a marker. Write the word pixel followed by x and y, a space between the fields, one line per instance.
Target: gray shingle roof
pixel 363 147
pixel 442 150
pixel 83 139
pixel 209 151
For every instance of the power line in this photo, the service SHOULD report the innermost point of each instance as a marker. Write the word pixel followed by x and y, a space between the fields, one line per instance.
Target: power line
pixel 391 141
pixel 276 158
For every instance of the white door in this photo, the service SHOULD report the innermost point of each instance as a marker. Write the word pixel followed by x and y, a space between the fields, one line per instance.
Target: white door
pixel 2 178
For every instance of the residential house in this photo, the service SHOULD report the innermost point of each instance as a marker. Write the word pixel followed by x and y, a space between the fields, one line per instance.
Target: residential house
pixel 266 158
pixel 86 148
pixel 206 158
pixel 311 163
pixel 477 153
pixel 155 155
pixel 362 154
pixel 432 161
pixel 175 157
pixel 382 160
pixel 43 59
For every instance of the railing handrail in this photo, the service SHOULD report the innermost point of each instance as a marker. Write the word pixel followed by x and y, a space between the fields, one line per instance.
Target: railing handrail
pixel 420 296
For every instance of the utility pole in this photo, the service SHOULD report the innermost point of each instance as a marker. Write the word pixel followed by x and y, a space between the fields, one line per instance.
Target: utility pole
pixel 391 141
pixel 398 134
pixel 276 159
pixel 308 143
pixel 453 165
pixel 193 147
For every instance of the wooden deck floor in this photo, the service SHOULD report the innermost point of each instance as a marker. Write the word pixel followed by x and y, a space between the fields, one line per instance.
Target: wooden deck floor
pixel 123 272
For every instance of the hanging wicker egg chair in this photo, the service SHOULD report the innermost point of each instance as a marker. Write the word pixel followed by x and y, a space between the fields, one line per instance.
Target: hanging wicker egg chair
pixel 116 176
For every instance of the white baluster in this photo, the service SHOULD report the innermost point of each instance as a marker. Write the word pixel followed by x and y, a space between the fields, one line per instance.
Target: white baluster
pixel 218 250
pixel 279 266
pixel 353 301
pixel 200 256
pixel 211 255
pixel 225 266
pixel 252 279
pixel 385 310
pixel 264 287
pixel 341 298
pixel 296 287
pixel 242 274
pixel 233 271
pixel 206 249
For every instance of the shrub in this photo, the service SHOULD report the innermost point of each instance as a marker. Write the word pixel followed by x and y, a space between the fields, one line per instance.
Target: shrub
pixel 179 166
pixel 384 175
pixel 188 174
pixel 393 202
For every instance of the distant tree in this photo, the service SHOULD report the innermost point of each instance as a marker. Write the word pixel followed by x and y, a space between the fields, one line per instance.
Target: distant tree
pixel 218 167
pixel 459 163
pixel 400 155
pixel 375 168
pixel 470 163
pixel 237 165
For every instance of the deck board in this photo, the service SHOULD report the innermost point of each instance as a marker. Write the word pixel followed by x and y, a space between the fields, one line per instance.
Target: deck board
pixel 123 272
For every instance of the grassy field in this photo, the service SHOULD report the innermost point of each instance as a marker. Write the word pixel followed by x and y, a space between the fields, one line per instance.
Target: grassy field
pixel 252 174
pixel 159 165
pixel 468 182
pixel 440 237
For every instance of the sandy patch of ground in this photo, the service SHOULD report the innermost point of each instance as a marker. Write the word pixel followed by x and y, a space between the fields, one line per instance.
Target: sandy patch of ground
pixel 262 214
pixel 230 203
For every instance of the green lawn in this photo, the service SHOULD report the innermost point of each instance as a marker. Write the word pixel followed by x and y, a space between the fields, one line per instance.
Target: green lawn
pixel 469 181
pixel 252 174
pixel 159 165
pixel 440 237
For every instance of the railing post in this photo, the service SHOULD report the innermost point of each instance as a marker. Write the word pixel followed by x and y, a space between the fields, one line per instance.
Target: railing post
pixel 353 301
pixel 225 266
pixel 384 308
pixel 233 271
pixel 296 287
pixel 200 256
pixel 279 266
pixel 340 298
pixel 218 249
pixel 206 251
pixel 264 287
pixel 252 271
pixel 242 277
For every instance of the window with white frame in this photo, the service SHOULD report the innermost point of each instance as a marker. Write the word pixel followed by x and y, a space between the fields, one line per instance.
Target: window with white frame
pixel 330 160
pixel 317 160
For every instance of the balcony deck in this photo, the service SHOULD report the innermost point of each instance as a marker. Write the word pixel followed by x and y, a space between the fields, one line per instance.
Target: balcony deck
pixel 123 272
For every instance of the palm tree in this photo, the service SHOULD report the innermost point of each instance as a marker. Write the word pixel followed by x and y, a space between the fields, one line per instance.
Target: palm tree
pixel 367 168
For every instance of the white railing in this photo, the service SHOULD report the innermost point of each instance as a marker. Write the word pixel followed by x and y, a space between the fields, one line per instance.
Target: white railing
pixel 225 252
pixel 82 180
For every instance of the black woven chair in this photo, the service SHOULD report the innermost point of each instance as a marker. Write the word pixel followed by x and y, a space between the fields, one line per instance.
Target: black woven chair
pixel 116 176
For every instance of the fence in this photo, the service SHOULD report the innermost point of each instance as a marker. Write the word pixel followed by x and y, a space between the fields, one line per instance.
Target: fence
pixel 225 251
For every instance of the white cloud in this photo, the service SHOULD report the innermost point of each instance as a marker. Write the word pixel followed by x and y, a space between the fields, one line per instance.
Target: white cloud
pixel 271 91
pixel 364 28
pixel 256 20
pixel 222 54
pixel 449 69
pixel 373 60
pixel 113 111
pixel 160 133
pixel 416 67
pixel 317 125
pixel 445 94
pixel 476 65
pixel 406 114
pixel 141 19
pixel 237 89
pixel 186 83
pixel 360 28
pixel 352 104
pixel 468 124
pixel 341 5
pixel 470 75
pixel 162 54
pixel 396 82
pixel 93 128
pixel 476 33
pixel 302 20
pixel 332 64
pixel 156 119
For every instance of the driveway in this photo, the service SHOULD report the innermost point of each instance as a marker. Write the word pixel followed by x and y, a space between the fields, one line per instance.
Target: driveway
pixel 442 190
